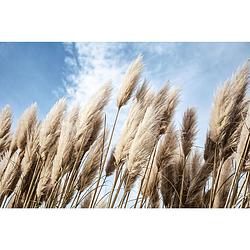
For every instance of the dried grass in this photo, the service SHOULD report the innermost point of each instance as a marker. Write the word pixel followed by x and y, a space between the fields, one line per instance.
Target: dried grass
pixel 68 159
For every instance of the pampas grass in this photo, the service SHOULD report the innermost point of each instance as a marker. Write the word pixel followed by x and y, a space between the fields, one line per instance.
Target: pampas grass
pixel 129 82
pixel 142 145
pixel 5 124
pixel 69 160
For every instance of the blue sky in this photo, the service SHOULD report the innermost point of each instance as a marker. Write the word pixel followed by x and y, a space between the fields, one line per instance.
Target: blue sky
pixel 44 72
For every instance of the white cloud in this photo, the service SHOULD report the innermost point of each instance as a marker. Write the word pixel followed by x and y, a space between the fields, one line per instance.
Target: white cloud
pixel 92 65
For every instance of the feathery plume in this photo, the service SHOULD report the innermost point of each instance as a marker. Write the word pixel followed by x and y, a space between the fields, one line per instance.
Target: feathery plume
pixel 10 177
pixel 165 158
pixel 30 158
pixel 73 115
pixel 169 109
pixel 224 184
pixel 51 127
pixel 227 113
pixel 243 140
pixel 44 185
pixel 189 131
pixel 129 82
pixel 195 163
pixel 65 145
pixel 135 116
pixel 92 163
pixel 151 179
pixel 3 164
pixel 86 126
pixel 143 144
pixel 198 183
pixel 161 98
pixel 25 125
pixel 98 123
pixel 237 113
pixel 154 199
pixel 167 148
pixel 48 140
pixel 5 124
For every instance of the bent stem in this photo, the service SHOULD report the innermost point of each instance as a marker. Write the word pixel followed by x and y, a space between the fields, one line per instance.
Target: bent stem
pixel 150 169
pixel 138 194
pixel 233 188
pixel 101 168
pixel 93 202
pixel 118 190
pixel 117 174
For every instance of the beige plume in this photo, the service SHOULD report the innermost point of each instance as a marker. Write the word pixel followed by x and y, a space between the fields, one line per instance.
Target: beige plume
pixel 130 81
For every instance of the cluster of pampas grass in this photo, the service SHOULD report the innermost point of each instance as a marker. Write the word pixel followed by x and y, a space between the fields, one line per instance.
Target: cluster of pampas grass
pixel 71 160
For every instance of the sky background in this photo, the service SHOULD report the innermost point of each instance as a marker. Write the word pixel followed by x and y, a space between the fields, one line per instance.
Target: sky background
pixel 44 72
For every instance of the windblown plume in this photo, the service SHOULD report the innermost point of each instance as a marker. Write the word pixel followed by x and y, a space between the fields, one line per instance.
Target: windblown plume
pixel 5 124
pixel 243 146
pixel 97 126
pixel 3 164
pixel 238 112
pixel 195 164
pixel 154 199
pixel 165 103
pixel 189 131
pixel 209 147
pixel 198 183
pixel 51 127
pixel 220 110
pixel 86 127
pixel 167 148
pixel 10 177
pixel 130 128
pixel 129 82
pixel 228 112
pixel 44 185
pixel 165 163
pixel 160 99
pixel 30 158
pixel 151 179
pixel 142 92
pixel 142 146
pixel 93 163
pixel 73 115
pixel 169 109
pixel 27 122
pixel 64 149
pixel 224 184
pixel 48 139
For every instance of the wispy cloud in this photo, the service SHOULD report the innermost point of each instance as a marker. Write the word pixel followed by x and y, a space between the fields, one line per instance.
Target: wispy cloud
pixel 92 64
